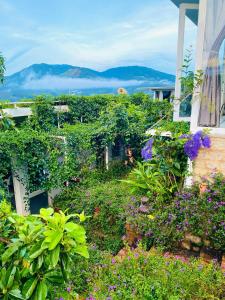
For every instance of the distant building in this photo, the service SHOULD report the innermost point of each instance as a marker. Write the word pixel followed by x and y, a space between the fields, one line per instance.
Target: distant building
pixel 163 93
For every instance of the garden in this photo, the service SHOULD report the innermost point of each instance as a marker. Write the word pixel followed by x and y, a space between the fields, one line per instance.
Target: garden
pixel 122 228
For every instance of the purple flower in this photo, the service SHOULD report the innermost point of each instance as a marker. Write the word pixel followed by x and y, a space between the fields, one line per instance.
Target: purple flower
pixel 144 199
pixel 143 209
pixel 146 152
pixel 113 261
pixel 206 142
pixel 194 143
pixel 185 136
pixel 111 288
pixel 90 298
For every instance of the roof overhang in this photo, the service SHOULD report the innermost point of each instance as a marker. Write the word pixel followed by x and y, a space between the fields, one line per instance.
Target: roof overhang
pixel 192 14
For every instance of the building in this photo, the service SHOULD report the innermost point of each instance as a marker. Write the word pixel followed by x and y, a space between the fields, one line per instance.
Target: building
pixel 208 100
pixel 163 93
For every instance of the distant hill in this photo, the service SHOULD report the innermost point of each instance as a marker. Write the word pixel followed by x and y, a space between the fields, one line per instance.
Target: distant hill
pixel 56 79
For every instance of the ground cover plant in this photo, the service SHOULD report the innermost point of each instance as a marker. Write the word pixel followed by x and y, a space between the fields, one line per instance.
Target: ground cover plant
pixel 154 277
pixel 104 200
pixel 200 214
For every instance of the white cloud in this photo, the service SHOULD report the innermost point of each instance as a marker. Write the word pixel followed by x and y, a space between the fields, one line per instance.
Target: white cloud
pixel 57 83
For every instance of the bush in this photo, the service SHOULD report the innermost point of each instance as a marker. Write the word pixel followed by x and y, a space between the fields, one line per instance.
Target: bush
pixel 151 276
pixel 201 214
pixel 105 203
pixel 36 252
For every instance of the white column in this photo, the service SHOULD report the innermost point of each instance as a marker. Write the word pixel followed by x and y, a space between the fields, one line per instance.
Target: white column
pixel 20 194
pixel 180 59
pixel 161 95
pixel 180 56
pixel 199 61
pixel 107 157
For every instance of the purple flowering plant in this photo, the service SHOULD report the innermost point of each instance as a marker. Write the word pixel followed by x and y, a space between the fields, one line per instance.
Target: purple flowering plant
pixel 142 273
pixel 194 142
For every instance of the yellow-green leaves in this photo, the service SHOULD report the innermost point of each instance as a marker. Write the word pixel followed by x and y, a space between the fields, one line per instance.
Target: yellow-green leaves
pixel 39 253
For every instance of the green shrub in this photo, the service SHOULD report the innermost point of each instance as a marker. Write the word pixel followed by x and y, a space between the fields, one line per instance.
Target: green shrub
pixel 203 214
pixel 36 252
pixel 163 171
pixel 105 202
pixel 154 277
pixel 189 211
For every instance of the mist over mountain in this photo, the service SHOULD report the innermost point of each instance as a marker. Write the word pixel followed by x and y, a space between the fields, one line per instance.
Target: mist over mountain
pixel 57 79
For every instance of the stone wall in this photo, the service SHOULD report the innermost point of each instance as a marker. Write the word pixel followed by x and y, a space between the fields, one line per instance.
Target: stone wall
pixel 211 159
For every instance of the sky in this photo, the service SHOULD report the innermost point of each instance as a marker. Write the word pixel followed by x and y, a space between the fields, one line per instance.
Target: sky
pixel 97 34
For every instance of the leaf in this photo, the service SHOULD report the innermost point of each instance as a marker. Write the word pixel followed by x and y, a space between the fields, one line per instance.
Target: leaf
pixel 82 250
pixel 36 251
pixel 46 212
pixel 40 261
pixel 17 294
pixel 3 278
pixel 11 277
pixel 9 252
pixel 76 231
pixel 42 291
pixel 54 277
pixel 29 287
pixel 54 256
pixel 53 238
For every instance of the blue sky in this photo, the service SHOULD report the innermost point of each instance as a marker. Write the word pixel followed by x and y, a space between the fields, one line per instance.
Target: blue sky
pixel 97 34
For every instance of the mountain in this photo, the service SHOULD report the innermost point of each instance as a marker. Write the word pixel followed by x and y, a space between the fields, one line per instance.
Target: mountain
pixel 137 73
pixel 58 79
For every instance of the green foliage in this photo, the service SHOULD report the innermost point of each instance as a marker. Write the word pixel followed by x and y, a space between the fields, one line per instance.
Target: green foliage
pixel 163 175
pixel 85 109
pixel 175 128
pixel 151 276
pixel 105 202
pixel 157 110
pixel 6 122
pixel 189 79
pixel 44 116
pixel 81 146
pixel 37 251
pixel 2 68
pixel 34 157
pixel 203 214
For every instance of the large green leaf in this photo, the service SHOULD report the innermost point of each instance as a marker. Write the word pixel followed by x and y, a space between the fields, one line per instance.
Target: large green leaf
pixel 45 213
pixel 29 287
pixel 76 231
pixel 3 278
pixel 54 256
pixel 53 238
pixel 82 250
pixel 35 251
pixel 9 252
pixel 10 275
pixel 16 293
pixel 41 291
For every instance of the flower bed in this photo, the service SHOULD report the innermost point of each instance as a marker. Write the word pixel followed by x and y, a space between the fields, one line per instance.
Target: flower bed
pixel 152 276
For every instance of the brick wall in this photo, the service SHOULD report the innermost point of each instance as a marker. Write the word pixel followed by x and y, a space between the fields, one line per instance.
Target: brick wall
pixel 210 159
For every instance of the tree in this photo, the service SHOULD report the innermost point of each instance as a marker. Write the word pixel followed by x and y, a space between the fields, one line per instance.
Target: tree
pixel 2 68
